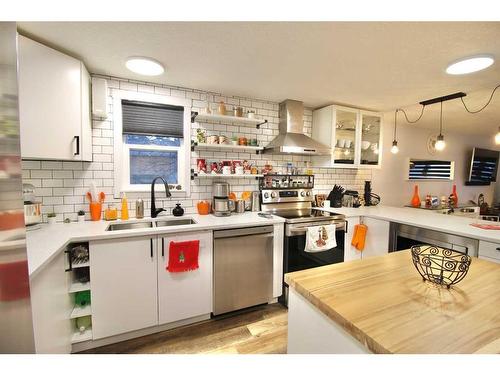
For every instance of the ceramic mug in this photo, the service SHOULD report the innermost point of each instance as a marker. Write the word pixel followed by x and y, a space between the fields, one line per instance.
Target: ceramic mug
pixel 239 169
pixel 226 169
pixel 341 143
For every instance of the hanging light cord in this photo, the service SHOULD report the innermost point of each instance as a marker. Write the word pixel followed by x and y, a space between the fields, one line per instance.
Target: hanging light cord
pixel 484 106
pixel 441 120
pixel 406 116
pixel 395 122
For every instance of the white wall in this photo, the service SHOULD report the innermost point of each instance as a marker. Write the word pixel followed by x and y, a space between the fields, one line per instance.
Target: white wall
pixel 391 183
pixel 61 185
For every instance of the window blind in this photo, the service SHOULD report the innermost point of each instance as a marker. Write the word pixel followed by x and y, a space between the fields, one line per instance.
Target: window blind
pixel 152 119
pixel 431 170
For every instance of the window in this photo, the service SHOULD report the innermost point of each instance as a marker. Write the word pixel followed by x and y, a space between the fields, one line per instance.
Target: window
pixel 433 170
pixel 150 135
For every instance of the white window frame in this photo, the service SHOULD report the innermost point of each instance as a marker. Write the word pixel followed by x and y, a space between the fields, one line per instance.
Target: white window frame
pixel 122 162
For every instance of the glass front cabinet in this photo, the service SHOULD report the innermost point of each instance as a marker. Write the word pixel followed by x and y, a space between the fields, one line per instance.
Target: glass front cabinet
pixel 355 137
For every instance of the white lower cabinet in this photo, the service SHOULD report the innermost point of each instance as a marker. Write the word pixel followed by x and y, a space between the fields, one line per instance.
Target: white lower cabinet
pixel 377 238
pixel 124 293
pixel 185 295
pixel 489 251
pixel 350 252
pixel 131 288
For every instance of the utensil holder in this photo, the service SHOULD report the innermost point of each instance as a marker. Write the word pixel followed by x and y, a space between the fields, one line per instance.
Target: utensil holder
pixel 95 211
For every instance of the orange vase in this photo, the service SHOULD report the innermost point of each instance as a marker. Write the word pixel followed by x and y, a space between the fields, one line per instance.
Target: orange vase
pixel 454 196
pixel 415 201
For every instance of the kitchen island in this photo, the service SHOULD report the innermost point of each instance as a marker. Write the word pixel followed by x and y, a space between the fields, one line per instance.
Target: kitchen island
pixel 381 305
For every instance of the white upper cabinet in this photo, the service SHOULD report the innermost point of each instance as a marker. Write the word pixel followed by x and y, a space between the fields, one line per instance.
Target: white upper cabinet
pixel 54 104
pixel 353 135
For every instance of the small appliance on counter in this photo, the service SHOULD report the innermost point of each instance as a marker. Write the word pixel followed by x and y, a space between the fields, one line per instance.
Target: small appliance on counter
pixel 32 208
pixel 220 199
pixel 351 199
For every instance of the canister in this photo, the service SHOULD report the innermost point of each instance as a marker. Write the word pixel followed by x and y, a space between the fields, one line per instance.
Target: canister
pixel 139 209
pixel 240 206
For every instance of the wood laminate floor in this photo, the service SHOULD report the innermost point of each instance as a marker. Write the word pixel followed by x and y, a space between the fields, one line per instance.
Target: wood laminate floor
pixel 260 330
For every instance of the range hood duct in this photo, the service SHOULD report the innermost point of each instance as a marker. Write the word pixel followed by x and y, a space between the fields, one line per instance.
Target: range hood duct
pixel 291 138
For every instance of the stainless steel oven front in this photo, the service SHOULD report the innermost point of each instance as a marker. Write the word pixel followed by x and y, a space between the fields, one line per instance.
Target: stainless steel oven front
pixel 296 259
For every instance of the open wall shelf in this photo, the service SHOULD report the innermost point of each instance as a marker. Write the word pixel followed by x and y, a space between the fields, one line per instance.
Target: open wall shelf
pixel 234 120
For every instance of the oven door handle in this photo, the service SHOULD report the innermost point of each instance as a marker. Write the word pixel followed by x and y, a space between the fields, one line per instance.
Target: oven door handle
pixel 302 230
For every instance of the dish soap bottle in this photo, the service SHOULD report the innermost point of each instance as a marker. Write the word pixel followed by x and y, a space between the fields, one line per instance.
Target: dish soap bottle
pixel 124 207
pixel 178 210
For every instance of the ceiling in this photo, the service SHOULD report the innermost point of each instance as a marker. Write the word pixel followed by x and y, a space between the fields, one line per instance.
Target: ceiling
pixel 373 65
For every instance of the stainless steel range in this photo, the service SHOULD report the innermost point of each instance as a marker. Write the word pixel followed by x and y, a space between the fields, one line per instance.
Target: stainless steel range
pixel 295 206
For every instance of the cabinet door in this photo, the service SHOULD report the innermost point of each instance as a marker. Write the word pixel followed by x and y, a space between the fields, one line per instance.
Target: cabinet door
pixel 377 238
pixel 86 138
pixel 346 136
pixel 323 126
pixel 49 102
pixel 350 252
pixel 371 138
pixel 185 295
pixel 123 285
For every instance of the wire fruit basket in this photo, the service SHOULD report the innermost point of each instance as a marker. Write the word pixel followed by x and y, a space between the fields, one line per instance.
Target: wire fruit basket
pixel 439 265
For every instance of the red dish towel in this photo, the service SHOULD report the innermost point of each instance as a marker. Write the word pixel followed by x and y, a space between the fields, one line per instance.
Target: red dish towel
pixel 183 256
pixel 14 281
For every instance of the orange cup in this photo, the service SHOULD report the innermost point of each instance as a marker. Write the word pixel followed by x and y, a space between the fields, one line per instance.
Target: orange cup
pixel 203 207
pixel 95 211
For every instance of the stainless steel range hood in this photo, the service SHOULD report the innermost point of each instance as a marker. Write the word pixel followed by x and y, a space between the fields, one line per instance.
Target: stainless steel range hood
pixel 291 138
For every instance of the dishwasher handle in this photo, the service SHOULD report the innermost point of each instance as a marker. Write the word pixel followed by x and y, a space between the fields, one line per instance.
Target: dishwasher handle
pixel 239 232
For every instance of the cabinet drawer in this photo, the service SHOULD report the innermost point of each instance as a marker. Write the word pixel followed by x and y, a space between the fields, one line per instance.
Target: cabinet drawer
pixel 490 259
pixel 489 249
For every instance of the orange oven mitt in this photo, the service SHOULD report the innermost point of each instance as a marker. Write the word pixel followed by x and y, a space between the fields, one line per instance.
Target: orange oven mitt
pixel 359 237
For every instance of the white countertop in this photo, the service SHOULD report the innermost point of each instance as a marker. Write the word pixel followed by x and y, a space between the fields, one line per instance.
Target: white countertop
pixel 458 225
pixel 45 243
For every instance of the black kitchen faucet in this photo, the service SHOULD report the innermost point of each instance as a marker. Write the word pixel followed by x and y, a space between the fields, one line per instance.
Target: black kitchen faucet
pixel 155 211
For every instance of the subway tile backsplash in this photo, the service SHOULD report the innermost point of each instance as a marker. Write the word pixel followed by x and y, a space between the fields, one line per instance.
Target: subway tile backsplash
pixel 61 185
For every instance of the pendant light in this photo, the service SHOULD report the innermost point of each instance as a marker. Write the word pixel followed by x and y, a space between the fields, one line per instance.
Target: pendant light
pixel 497 137
pixel 395 148
pixel 440 143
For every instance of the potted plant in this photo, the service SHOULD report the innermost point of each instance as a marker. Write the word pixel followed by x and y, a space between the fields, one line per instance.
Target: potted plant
pixel 81 216
pixel 51 218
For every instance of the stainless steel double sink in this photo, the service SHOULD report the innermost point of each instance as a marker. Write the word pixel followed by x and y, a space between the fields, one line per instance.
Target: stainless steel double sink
pixel 151 224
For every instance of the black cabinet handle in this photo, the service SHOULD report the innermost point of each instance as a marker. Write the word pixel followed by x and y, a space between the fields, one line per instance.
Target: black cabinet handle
pixel 151 246
pixel 77 139
pixel 162 247
pixel 498 248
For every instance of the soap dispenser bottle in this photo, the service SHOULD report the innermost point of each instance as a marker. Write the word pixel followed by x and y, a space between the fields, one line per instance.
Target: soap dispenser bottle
pixel 124 207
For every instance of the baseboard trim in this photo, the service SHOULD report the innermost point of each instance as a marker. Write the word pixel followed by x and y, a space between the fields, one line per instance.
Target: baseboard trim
pixel 86 345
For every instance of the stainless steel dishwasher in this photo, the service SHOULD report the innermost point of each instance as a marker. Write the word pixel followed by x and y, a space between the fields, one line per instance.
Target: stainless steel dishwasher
pixel 243 268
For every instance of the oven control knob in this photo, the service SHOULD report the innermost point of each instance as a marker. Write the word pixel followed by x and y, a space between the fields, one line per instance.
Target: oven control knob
pixel 302 193
pixel 273 195
pixel 308 193
pixel 266 195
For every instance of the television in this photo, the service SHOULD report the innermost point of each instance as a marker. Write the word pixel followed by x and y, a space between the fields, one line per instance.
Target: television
pixel 483 167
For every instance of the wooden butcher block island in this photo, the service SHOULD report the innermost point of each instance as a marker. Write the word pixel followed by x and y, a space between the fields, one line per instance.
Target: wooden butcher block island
pixel 382 305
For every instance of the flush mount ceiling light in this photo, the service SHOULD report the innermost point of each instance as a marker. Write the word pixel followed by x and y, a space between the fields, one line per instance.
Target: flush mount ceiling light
pixel 144 66
pixel 470 64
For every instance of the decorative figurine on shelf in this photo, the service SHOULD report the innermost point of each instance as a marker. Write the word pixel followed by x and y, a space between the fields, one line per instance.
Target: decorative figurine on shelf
pixel 201 135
